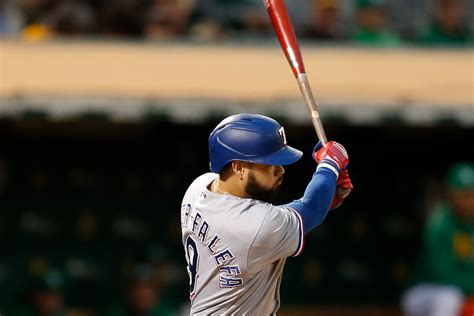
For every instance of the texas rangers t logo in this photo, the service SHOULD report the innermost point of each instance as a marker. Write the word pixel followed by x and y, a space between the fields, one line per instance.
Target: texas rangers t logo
pixel 281 131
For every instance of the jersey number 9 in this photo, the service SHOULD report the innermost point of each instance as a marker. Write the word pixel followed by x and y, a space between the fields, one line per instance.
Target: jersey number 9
pixel 192 257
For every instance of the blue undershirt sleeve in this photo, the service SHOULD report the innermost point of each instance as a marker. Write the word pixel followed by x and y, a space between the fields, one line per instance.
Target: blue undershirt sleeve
pixel 314 205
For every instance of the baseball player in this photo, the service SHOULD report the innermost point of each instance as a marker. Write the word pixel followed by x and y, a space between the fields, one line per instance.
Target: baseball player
pixel 236 242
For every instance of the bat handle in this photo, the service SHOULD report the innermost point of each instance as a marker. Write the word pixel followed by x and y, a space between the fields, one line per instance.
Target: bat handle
pixel 308 97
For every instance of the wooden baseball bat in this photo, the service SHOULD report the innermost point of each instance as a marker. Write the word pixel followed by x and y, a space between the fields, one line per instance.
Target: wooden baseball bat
pixel 286 35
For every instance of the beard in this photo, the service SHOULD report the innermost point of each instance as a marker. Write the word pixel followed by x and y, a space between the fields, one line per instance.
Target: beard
pixel 257 192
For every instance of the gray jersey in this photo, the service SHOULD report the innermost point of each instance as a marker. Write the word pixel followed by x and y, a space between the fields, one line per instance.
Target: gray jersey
pixel 236 250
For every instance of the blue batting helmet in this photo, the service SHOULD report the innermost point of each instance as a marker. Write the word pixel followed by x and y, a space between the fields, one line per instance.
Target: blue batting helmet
pixel 250 137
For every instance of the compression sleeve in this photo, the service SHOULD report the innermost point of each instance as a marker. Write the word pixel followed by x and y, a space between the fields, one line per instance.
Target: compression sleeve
pixel 314 205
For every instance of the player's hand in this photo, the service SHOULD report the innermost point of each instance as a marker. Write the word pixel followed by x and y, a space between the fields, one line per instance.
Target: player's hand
pixel 344 188
pixel 332 152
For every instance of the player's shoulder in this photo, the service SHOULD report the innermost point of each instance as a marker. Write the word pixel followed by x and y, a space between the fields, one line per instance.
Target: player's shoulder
pixel 262 207
pixel 277 217
pixel 201 182
pixel 243 216
pixel 204 179
pixel 269 209
pixel 277 213
pixel 280 232
pixel 269 215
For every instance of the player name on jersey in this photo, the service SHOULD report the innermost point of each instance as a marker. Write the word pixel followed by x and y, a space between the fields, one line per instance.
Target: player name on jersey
pixel 223 259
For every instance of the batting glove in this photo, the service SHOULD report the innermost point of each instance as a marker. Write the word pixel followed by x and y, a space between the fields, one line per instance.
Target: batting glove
pixel 344 188
pixel 332 156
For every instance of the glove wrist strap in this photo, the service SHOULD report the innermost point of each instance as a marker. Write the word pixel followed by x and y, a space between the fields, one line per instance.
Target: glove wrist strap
pixel 330 164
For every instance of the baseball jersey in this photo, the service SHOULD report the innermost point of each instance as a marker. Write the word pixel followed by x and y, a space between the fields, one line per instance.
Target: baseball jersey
pixel 236 249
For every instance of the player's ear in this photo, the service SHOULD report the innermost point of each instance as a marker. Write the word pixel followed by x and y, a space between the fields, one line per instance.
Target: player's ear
pixel 238 169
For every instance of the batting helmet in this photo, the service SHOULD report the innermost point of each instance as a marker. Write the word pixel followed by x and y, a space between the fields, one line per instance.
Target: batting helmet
pixel 250 137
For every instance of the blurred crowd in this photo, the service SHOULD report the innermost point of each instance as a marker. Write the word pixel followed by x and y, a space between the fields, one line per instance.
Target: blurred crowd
pixel 367 22
pixel 143 292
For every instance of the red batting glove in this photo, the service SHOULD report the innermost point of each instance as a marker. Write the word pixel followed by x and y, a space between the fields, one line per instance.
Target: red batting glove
pixel 332 152
pixel 334 155
pixel 344 188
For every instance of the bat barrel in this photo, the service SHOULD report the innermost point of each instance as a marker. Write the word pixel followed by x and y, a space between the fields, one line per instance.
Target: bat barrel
pixel 286 34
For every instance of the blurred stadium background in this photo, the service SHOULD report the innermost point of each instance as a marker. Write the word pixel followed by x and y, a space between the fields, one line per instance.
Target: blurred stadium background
pixel 105 110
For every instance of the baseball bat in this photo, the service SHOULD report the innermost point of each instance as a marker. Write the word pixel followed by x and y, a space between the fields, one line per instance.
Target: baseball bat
pixel 286 35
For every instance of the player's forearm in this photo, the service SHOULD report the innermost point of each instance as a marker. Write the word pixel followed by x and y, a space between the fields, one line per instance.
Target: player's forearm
pixel 314 205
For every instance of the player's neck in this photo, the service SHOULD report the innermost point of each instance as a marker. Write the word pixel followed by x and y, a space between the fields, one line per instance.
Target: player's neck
pixel 229 187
